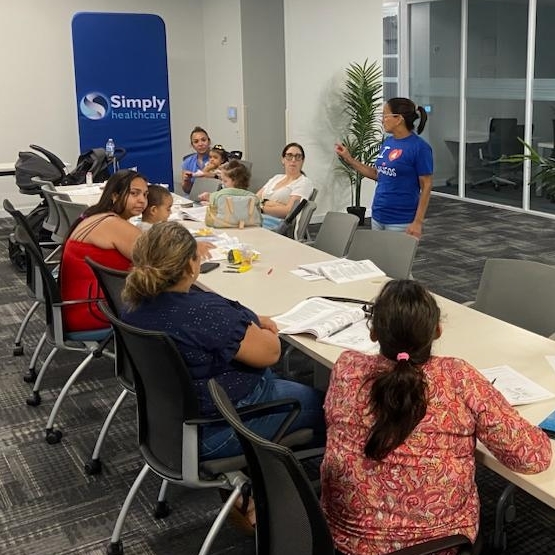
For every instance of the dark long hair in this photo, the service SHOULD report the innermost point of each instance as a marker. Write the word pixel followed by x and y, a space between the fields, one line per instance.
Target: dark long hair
pixel 118 184
pixel 405 321
pixel 410 112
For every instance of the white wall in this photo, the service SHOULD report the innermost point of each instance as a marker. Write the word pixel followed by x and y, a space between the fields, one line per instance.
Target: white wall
pixel 38 85
pixel 322 37
pixel 224 74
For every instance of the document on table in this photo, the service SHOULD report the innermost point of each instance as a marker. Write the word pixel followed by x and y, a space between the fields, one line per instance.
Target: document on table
pixel 195 213
pixel 516 388
pixel 355 337
pixel 330 322
pixel 343 271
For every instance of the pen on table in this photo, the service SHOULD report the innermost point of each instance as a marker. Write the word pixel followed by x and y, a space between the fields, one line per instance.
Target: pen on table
pixel 341 329
pixel 493 381
pixel 269 271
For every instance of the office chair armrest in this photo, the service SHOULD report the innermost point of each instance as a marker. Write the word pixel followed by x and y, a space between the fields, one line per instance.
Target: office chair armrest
pixel 469 303
pixel 438 544
pixel 78 301
pixel 260 409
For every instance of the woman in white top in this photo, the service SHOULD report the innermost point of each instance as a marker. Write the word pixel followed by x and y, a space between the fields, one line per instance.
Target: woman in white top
pixel 280 192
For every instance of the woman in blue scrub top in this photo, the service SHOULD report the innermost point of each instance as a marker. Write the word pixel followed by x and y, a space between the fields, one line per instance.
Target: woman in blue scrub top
pixel 200 141
pixel 403 169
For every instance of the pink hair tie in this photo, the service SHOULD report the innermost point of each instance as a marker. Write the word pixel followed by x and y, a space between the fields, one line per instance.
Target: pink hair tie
pixel 402 356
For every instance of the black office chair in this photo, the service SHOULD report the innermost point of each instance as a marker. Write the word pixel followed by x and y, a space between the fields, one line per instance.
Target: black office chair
pixel 169 438
pixel 91 342
pixel 288 514
pixel 503 141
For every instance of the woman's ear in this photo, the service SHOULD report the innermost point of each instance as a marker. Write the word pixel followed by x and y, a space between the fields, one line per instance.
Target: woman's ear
pixel 373 335
pixel 439 331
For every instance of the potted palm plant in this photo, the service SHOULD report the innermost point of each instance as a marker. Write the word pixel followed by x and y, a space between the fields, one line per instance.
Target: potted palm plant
pixel 362 135
pixel 543 168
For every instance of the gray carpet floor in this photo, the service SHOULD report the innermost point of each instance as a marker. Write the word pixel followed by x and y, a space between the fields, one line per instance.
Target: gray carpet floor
pixel 49 506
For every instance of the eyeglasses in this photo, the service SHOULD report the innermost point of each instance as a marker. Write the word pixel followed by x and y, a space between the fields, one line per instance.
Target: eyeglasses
pixel 290 156
pixel 389 115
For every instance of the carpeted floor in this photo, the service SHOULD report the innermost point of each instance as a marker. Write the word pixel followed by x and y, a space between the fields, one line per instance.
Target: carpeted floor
pixel 49 506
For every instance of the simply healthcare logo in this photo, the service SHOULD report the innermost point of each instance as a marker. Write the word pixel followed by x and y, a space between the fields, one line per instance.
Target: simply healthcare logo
pixel 96 106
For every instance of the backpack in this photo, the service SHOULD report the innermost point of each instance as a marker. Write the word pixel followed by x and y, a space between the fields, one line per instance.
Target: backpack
pixel 234 211
pixel 94 161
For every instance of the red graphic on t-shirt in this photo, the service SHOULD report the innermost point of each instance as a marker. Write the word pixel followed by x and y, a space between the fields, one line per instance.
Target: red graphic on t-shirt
pixel 395 153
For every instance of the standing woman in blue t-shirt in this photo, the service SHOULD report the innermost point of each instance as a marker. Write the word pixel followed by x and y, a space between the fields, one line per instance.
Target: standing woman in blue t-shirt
pixel 403 169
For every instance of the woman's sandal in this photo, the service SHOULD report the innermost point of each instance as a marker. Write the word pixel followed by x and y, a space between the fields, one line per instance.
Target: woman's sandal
pixel 242 514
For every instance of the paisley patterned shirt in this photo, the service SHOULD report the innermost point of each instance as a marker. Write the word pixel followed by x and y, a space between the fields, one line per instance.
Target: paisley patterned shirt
pixel 424 488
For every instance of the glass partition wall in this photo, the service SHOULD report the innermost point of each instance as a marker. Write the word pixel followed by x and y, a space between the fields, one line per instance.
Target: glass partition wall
pixel 484 71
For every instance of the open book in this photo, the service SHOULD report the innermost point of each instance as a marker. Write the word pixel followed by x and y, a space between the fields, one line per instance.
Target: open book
pixel 342 270
pixel 195 213
pixel 330 322
pixel 516 388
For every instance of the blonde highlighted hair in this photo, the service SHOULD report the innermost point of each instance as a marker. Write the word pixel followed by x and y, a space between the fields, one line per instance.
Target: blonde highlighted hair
pixel 161 257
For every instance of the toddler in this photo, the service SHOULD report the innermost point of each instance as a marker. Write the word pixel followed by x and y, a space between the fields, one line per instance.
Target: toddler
pixel 216 157
pixel 159 207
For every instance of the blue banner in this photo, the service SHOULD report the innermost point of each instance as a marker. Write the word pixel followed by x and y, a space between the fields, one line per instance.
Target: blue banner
pixel 121 83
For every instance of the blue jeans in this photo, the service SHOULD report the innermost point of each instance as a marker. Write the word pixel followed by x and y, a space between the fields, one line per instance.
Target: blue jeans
pixel 221 441
pixel 389 227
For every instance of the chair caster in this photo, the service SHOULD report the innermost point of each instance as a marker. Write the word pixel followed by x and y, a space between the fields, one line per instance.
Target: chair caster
pixel 162 509
pixel 53 436
pixel 31 375
pixel 115 548
pixel 93 466
pixel 34 400
pixel 17 350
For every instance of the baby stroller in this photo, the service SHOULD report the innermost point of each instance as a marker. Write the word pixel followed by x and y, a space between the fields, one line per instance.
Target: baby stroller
pixel 48 168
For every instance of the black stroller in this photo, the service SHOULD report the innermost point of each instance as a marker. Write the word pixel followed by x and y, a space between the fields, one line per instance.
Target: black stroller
pixel 50 168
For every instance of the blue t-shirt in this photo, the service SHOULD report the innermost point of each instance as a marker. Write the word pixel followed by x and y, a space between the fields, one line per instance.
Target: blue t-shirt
pixel 400 163
pixel 208 330
pixel 190 163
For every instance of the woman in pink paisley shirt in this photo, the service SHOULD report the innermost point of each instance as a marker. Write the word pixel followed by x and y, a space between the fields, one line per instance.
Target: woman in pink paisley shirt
pixel 401 432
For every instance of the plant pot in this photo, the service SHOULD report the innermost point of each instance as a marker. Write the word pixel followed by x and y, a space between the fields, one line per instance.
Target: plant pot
pixel 358 211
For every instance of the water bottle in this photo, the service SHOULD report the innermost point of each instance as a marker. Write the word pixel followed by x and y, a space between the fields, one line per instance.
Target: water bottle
pixel 110 149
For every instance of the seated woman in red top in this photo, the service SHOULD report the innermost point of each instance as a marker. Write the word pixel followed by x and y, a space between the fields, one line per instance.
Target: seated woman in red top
pixel 104 235
pixel 402 427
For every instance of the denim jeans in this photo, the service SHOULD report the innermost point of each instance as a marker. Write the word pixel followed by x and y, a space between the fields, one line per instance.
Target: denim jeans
pixel 389 227
pixel 221 441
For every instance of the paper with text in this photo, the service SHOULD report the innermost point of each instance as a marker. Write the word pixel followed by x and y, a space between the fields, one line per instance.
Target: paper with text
pixel 342 270
pixel 516 388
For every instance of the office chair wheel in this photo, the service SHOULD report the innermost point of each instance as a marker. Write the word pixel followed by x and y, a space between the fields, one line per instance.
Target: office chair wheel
pixel 93 466
pixel 31 375
pixel 34 400
pixel 162 509
pixel 115 548
pixel 53 436
pixel 18 350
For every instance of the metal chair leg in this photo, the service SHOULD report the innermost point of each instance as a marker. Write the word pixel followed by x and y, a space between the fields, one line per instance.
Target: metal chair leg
pixel 18 348
pixel 31 375
pixel 222 515
pixel 53 436
pixel 115 546
pixel 94 466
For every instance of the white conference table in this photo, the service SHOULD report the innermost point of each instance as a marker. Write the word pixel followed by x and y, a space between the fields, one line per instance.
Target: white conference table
pixel 480 339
